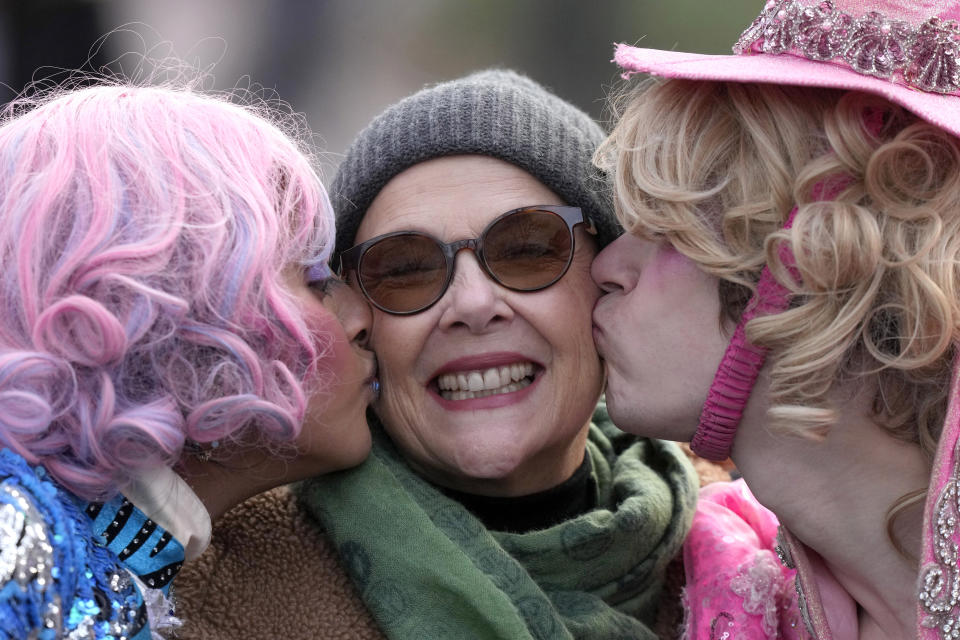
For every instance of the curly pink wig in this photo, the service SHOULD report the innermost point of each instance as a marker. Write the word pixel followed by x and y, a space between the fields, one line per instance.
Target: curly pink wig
pixel 145 234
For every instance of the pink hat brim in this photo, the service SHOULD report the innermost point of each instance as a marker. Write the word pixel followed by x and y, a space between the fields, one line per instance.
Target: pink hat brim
pixel 938 109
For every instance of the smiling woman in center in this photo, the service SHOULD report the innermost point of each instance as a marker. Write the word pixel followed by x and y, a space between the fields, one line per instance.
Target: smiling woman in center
pixel 498 500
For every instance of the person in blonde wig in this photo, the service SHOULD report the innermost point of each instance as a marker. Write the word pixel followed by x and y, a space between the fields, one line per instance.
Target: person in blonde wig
pixel 787 295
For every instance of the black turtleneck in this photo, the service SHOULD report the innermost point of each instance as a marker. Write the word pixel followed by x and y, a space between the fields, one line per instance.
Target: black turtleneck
pixel 520 514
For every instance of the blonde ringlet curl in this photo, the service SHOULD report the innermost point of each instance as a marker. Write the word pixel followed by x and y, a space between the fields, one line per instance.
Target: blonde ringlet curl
pixel 716 168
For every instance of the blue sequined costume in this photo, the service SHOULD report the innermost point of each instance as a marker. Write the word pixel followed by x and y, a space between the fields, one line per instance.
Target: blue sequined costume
pixel 66 565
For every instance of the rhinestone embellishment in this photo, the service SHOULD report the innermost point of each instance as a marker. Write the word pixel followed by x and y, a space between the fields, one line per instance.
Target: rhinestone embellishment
pixel 925 57
pixel 940 582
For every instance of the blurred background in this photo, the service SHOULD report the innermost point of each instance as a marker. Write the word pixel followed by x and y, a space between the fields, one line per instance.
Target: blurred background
pixel 341 62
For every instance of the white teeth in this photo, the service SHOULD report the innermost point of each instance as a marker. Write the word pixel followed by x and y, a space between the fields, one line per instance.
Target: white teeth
pixel 475 378
pixel 486 382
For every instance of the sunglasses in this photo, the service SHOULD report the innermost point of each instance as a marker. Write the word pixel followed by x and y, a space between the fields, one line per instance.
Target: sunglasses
pixel 526 249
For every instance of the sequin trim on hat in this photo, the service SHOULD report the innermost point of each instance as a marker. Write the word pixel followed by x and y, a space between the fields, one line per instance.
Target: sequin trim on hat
pixel 940 582
pixel 925 57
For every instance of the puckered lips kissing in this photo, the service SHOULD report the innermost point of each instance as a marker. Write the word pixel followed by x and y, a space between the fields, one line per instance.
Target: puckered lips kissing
pixel 484 381
pixel 598 337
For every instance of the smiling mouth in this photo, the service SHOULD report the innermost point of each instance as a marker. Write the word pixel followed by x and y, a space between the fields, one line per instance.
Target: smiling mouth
pixel 480 383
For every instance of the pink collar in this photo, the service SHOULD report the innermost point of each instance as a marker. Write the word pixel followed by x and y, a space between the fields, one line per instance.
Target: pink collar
pixel 826 606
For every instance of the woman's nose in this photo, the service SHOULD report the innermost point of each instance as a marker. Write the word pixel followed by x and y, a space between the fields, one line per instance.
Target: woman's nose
pixel 473 299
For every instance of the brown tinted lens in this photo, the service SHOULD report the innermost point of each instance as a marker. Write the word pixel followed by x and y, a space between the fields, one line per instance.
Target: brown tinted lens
pixel 528 250
pixel 403 273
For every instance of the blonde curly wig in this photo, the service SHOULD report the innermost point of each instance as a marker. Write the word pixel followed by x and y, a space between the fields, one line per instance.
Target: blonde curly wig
pixel 715 169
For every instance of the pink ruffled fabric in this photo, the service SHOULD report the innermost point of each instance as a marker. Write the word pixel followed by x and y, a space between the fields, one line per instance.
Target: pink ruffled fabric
pixel 736 586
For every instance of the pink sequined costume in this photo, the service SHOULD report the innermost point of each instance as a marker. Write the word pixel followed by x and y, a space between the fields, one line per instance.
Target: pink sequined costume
pixel 908 53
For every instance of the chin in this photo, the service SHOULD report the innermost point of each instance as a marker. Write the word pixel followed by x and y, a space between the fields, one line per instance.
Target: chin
pixel 627 417
pixel 490 465
pixel 361 449
pixel 342 454
pixel 623 416
pixel 496 469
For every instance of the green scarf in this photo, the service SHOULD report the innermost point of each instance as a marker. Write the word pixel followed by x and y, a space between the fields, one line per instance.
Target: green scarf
pixel 426 568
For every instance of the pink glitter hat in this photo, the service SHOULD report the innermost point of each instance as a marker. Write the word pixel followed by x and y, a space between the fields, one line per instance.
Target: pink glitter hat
pixel 907 51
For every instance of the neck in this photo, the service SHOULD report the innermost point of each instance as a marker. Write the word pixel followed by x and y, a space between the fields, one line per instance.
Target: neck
pixel 224 482
pixel 835 494
pixel 542 510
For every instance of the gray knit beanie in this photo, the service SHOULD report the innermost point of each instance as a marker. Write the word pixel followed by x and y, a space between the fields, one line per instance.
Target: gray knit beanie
pixel 494 113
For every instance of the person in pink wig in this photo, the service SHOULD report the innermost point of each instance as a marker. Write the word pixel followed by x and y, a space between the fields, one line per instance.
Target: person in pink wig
pixel 172 342
pixel 787 295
